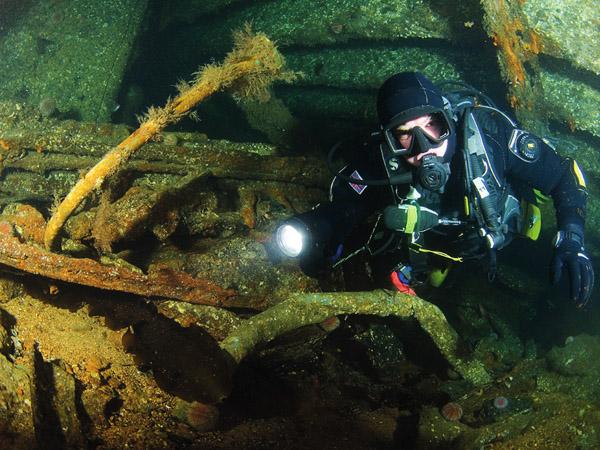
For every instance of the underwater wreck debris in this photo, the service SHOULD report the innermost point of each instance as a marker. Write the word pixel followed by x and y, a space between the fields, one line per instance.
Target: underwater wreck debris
pixel 518 48
pixel 313 308
pixel 138 209
pixel 29 174
pixel 159 282
pixel 248 70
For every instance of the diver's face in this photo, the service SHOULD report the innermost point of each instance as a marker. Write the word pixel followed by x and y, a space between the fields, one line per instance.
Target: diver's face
pixel 430 127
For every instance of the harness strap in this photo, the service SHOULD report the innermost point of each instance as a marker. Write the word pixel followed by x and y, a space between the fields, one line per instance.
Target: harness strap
pixel 420 249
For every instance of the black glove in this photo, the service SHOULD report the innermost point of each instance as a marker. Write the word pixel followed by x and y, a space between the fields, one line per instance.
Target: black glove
pixel 569 252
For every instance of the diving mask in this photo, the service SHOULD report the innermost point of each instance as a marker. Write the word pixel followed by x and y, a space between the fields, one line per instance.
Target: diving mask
pixel 420 138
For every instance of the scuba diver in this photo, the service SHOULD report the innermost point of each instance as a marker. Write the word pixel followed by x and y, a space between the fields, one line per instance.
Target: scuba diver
pixel 450 178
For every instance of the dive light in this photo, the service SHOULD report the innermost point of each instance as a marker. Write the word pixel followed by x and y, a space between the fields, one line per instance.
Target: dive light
pixel 308 235
pixel 292 237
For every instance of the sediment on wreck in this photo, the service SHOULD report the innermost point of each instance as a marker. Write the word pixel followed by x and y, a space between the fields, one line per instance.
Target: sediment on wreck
pixel 40 40
pixel 547 53
pixel 305 309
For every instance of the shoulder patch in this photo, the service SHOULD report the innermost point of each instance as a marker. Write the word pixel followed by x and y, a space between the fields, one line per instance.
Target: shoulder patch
pixel 359 188
pixel 525 146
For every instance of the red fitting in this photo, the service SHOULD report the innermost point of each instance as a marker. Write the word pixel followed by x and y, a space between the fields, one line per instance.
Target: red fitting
pixel 400 286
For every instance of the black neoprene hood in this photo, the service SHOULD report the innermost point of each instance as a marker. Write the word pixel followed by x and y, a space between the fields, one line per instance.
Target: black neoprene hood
pixel 405 96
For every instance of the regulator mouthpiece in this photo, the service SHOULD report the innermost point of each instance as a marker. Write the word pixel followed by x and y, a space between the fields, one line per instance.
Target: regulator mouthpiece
pixel 433 173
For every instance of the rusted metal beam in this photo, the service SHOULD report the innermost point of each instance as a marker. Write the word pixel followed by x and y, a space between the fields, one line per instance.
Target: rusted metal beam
pixel 158 282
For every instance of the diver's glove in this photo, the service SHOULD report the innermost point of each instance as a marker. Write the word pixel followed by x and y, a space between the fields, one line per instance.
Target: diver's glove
pixel 569 253
pixel 409 217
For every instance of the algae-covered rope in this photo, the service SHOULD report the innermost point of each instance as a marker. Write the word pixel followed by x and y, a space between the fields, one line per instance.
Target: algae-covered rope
pixel 248 70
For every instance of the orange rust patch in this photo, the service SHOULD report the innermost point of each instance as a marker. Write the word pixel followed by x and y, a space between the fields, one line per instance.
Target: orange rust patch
pixel 514 68
pixel 508 37
pixel 4 144
pixel 28 220
pixel 247 210
pixel 511 46
pixel 93 364
pixel 159 282
pixel 535 45
pixel 248 217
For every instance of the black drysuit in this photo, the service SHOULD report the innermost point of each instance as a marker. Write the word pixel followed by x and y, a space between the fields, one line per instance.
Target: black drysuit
pixel 514 171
